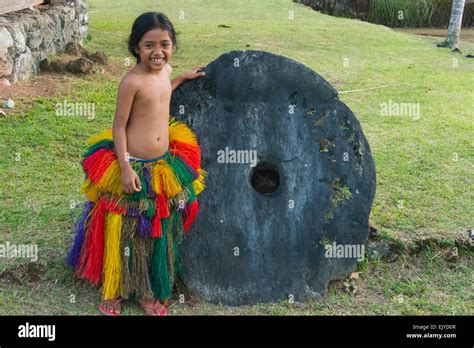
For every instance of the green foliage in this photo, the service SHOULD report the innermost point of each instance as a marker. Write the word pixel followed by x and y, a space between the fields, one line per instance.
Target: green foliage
pixel 402 13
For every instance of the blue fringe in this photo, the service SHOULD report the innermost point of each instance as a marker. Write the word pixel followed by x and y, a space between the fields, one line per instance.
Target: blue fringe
pixel 144 227
pixel 147 177
pixel 74 254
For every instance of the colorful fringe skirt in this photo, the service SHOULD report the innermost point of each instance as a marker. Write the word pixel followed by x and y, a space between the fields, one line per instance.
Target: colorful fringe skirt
pixel 129 243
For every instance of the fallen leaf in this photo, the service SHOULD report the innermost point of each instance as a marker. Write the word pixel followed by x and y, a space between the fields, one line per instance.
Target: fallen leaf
pixel 354 275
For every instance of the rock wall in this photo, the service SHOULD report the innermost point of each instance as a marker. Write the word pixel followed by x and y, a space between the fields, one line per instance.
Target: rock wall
pixel 30 35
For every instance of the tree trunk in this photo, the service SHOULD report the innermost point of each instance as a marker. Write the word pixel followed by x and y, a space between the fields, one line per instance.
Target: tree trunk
pixel 454 29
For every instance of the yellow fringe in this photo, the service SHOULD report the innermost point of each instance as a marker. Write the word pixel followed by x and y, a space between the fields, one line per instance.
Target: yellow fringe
pixel 112 257
pixel 162 174
pixel 198 184
pixel 104 135
pixel 198 187
pixel 155 177
pixel 171 184
pixel 90 191
pixel 111 180
pixel 180 132
pixel 177 131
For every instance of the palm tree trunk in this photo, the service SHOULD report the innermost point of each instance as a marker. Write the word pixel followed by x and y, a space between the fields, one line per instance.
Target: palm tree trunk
pixel 454 29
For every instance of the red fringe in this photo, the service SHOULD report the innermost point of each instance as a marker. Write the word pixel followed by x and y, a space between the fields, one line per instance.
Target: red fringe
pixel 113 207
pixel 96 164
pixel 188 153
pixel 93 256
pixel 156 231
pixel 190 214
pixel 162 211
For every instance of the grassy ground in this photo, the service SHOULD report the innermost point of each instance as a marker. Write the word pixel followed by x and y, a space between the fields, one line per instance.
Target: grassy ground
pixel 424 165
pixel 428 283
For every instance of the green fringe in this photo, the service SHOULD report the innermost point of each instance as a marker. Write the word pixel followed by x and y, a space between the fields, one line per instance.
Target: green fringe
pixel 95 147
pixel 191 193
pixel 174 239
pixel 181 171
pixel 166 262
pixel 150 208
pixel 160 282
pixel 178 237
pixel 165 224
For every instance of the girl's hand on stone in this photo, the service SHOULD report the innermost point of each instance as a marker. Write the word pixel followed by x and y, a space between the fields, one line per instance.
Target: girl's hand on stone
pixel 194 73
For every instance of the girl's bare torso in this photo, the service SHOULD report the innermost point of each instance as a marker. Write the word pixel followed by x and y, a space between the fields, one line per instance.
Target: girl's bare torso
pixel 147 127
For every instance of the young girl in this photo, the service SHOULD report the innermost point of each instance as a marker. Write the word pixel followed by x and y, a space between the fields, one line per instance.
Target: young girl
pixel 142 178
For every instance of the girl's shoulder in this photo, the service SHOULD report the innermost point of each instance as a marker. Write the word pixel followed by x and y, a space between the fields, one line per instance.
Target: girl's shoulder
pixel 130 83
pixel 130 80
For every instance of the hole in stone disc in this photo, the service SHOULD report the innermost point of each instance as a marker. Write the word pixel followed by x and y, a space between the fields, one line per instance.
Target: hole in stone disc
pixel 265 178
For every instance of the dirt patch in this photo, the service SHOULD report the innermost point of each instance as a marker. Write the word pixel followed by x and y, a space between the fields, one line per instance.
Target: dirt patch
pixel 44 85
pixel 24 93
pixel 29 272
pixel 55 78
pixel 51 84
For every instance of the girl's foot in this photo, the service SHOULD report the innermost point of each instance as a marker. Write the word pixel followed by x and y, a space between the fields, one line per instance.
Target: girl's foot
pixel 153 308
pixel 110 307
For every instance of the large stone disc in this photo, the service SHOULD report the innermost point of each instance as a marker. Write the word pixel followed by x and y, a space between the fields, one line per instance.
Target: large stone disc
pixel 272 232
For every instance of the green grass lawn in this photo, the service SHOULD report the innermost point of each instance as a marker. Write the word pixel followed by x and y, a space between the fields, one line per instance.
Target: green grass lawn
pixel 424 165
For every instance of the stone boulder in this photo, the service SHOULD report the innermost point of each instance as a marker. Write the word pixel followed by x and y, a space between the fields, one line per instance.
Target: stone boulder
pixel 291 181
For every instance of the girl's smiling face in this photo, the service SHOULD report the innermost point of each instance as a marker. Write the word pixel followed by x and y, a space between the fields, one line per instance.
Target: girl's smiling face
pixel 155 49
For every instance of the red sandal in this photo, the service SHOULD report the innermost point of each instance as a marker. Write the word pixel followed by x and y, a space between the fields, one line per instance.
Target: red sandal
pixel 152 306
pixel 115 304
pixel 164 311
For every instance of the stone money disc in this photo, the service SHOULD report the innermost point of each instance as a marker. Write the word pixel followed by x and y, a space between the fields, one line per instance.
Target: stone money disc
pixel 290 182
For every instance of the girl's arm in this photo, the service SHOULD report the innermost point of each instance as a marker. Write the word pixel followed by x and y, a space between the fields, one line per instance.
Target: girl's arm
pixel 176 82
pixel 126 93
pixel 188 75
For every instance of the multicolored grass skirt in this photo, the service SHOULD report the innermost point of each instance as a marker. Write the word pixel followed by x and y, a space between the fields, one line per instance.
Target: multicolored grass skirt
pixel 129 243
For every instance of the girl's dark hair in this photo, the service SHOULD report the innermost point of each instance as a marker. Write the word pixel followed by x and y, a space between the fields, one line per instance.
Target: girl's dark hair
pixel 148 21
